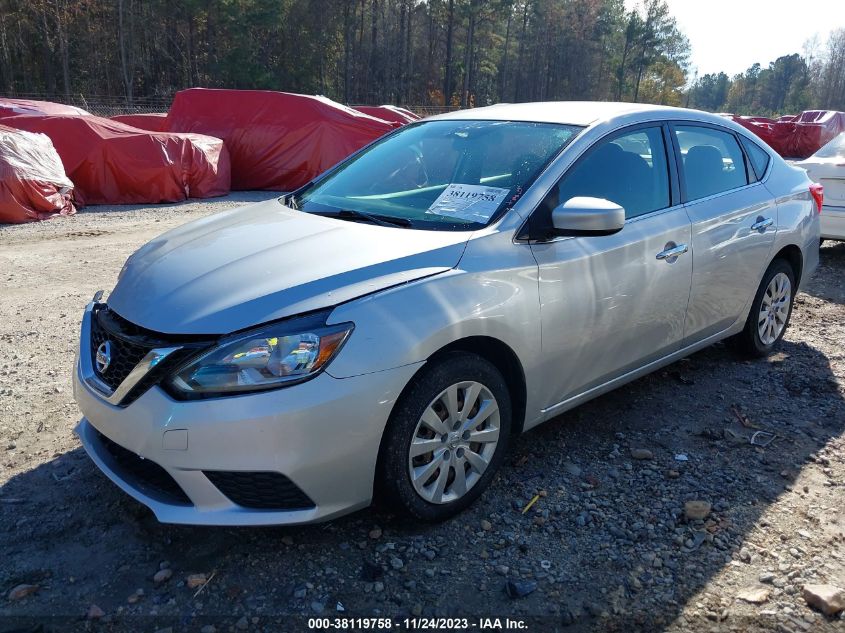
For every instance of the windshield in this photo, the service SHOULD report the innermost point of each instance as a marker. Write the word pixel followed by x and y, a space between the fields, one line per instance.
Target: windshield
pixel 834 149
pixel 440 175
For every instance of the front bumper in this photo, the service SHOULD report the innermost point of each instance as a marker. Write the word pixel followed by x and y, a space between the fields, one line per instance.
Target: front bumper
pixel 323 435
pixel 833 222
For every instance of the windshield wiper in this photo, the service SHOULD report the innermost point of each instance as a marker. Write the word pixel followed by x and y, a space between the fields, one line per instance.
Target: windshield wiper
pixel 383 220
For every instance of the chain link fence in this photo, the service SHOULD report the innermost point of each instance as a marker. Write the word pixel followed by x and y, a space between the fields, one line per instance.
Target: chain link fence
pixel 108 105
pixel 101 105
pixel 429 110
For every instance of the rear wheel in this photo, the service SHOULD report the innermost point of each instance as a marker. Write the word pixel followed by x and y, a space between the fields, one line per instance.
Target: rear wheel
pixel 446 438
pixel 770 311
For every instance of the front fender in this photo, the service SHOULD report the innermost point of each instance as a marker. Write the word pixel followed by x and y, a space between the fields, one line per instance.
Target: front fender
pixel 493 293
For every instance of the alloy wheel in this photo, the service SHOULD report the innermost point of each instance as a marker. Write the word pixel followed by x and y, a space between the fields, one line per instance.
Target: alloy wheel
pixel 774 309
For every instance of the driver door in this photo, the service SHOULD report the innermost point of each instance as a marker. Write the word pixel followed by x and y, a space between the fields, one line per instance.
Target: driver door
pixel 611 304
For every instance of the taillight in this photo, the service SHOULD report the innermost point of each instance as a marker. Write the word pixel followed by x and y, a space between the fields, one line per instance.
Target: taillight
pixel 817 191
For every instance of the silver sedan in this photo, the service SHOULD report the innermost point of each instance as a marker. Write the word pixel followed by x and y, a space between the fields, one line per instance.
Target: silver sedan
pixel 387 329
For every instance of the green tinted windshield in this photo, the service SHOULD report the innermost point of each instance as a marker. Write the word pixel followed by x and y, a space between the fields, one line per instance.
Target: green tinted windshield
pixel 443 175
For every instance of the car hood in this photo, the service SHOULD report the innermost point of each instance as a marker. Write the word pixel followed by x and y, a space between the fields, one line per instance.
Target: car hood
pixel 251 265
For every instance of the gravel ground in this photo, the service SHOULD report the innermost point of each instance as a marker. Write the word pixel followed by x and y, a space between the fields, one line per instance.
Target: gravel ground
pixel 607 544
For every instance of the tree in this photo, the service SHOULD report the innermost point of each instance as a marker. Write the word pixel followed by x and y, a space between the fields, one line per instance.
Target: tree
pixel 421 52
pixel 831 81
pixel 710 92
pixel 450 27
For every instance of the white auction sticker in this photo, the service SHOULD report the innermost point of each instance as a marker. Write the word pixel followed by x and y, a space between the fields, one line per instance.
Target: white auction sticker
pixel 474 203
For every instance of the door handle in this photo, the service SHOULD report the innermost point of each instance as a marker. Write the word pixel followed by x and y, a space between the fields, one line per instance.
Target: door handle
pixel 762 224
pixel 671 253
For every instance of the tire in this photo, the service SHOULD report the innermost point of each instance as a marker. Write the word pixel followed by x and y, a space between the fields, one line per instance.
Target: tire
pixel 463 375
pixel 750 342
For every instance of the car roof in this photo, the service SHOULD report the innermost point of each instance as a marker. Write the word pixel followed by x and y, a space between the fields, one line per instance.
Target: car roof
pixel 567 112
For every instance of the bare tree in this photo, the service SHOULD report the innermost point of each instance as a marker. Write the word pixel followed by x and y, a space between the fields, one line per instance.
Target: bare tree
pixel 447 81
pixel 124 66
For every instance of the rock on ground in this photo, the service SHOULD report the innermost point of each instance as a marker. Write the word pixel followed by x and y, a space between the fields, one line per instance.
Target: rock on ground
pixel 828 599
pixel 608 542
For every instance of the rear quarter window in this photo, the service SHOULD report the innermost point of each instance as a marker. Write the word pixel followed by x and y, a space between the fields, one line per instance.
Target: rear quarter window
pixel 757 155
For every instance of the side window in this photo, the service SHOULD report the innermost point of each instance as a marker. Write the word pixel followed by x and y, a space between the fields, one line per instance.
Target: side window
pixel 757 155
pixel 630 170
pixel 712 161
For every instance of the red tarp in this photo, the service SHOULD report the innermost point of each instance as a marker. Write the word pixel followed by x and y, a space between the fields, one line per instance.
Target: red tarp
pixel 113 163
pixel 33 184
pixel 389 113
pixel 276 140
pixel 760 126
pixel 797 136
pixel 20 107
pixel 813 128
pixel 152 121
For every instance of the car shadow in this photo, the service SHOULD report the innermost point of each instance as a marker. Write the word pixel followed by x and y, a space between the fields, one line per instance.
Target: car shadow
pixel 571 511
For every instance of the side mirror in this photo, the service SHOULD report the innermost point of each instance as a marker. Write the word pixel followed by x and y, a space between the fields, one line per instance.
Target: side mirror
pixel 588 216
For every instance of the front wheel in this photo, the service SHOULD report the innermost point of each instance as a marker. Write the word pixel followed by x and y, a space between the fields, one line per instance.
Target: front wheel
pixel 770 311
pixel 446 438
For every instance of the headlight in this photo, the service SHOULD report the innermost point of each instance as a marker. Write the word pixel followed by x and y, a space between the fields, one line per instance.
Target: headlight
pixel 268 357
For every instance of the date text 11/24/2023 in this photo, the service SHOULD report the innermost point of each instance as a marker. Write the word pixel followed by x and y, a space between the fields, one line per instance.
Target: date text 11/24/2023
pixel 417 624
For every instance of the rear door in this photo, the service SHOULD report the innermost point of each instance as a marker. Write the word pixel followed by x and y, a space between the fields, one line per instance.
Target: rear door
pixel 734 221
pixel 613 303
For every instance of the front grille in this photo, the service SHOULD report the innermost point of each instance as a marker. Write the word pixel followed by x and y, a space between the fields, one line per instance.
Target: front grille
pixel 144 474
pixel 125 354
pixel 129 344
pixel 260 490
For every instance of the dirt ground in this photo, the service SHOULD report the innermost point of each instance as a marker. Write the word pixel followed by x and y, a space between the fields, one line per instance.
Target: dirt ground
pixel 606 546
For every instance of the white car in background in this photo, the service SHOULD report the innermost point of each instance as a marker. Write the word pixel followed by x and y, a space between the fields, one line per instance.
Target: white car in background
pixel 827 167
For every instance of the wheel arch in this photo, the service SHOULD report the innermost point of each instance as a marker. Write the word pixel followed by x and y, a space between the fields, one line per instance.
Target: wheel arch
pixel 795 258
pixel 502 357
